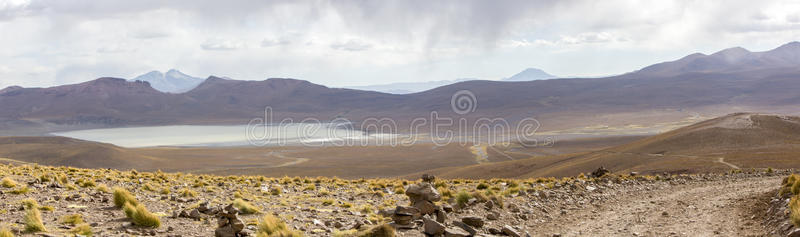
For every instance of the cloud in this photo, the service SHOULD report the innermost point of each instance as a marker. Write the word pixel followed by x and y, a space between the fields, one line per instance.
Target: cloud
pixel 351 45
pixel 415 40
pixel 221 44
pixel 274 42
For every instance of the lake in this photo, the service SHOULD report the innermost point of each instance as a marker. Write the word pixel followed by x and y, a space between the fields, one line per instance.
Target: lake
pixel 233 135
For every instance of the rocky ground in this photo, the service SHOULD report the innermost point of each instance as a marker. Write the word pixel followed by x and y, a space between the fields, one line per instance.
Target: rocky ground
pixel 733 204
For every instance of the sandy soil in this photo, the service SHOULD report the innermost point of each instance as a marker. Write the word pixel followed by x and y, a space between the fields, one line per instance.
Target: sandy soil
pixel 700 209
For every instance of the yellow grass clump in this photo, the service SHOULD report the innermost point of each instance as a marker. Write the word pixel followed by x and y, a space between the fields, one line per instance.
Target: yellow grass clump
pixel 245 207
pixel 142 217
pixel 5 232
pixel 83 230
pixel 271 226
pixel 74 219
pixel 122 196
pixel 103 188
pixel 8 183
pixel 33 221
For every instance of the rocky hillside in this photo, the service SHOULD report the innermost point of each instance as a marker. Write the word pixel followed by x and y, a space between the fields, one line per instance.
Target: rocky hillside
pixel 62 201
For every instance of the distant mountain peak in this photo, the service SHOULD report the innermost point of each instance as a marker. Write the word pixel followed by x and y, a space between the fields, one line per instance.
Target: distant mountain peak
pixel 173 81
pixel 530 74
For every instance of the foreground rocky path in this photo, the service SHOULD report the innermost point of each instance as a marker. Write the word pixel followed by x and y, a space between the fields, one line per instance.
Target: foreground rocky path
pixel 696 209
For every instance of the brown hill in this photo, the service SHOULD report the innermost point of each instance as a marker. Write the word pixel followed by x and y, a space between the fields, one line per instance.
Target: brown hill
pixel 60 151
pixel 736 141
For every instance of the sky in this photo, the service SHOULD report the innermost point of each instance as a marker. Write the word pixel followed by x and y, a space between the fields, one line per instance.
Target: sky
pixel 350 43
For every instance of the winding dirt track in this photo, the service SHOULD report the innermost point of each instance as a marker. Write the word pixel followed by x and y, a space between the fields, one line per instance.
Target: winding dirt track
pixel 714 208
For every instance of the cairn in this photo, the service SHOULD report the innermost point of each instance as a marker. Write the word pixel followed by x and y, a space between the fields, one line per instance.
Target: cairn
pixel 229 224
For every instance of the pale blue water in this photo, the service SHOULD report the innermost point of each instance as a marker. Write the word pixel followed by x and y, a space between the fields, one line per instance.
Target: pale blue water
pixel 193 135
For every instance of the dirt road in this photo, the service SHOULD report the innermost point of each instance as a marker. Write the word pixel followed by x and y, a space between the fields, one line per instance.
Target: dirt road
pixel 713 208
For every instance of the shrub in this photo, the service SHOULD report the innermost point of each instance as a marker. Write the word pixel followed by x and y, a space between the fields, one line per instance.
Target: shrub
pixel 129 209
pixel 165 191
pixel 102 188
pixel 796 187
pixel 143 217
pixel 188 193
pixel 84 230
pixel 462 197
pixel 8 183
pixel 794 206
pixel 122 196
pixel 482 186
pixel 33 220
pixel 327 202
pixel 245 207
pixel 30 204
pixel 22 190
pixel 74 219
pixel 86 183
pixel 5 232
pixel 276 191
pixel 270 225
pixel 384 230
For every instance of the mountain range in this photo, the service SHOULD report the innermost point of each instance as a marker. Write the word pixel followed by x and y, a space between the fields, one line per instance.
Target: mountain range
pixel 530 74
pixel 733 78
pixel 173 81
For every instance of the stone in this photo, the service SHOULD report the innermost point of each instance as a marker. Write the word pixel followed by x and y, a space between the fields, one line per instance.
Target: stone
pixel 465 227
pixel 428 178
pixel 406 211
pixel 425 207
pixel 432 227
pixel 402 219
pixel 237 225
pixel 203 207
pixel 599 172
pixel 473 221
pixel 794 233
pixel 422 191
pixel 495 231
pixel 493 216
pixel 194 214
pixel 441 216
pixel 225 231
pixel 510 231
pixel 447 207
pixel 452 232
pixel 230 209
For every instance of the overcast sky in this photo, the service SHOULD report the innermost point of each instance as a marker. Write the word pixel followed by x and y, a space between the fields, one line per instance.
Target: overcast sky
pixel 341 43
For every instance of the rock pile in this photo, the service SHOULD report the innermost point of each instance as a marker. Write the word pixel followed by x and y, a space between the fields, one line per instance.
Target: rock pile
pixel 229 224
pixel 599 172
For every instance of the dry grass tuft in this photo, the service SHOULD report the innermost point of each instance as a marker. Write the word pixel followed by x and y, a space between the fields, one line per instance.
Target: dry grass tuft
pixel 143 217
pixel 74 219
pixel 271 226
pixel 8 183
pixel 33 221
pixel 122 196
pixel 5 232
pixel 83 230
pixel 245 207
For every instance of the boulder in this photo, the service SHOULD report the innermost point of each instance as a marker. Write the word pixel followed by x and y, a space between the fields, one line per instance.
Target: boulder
pixel 432 227
pixel 225 231
pixel 422 192
pixel 465 227
pixel 453 232
pixel 425 207
pixel 510 231
pixel 473 221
